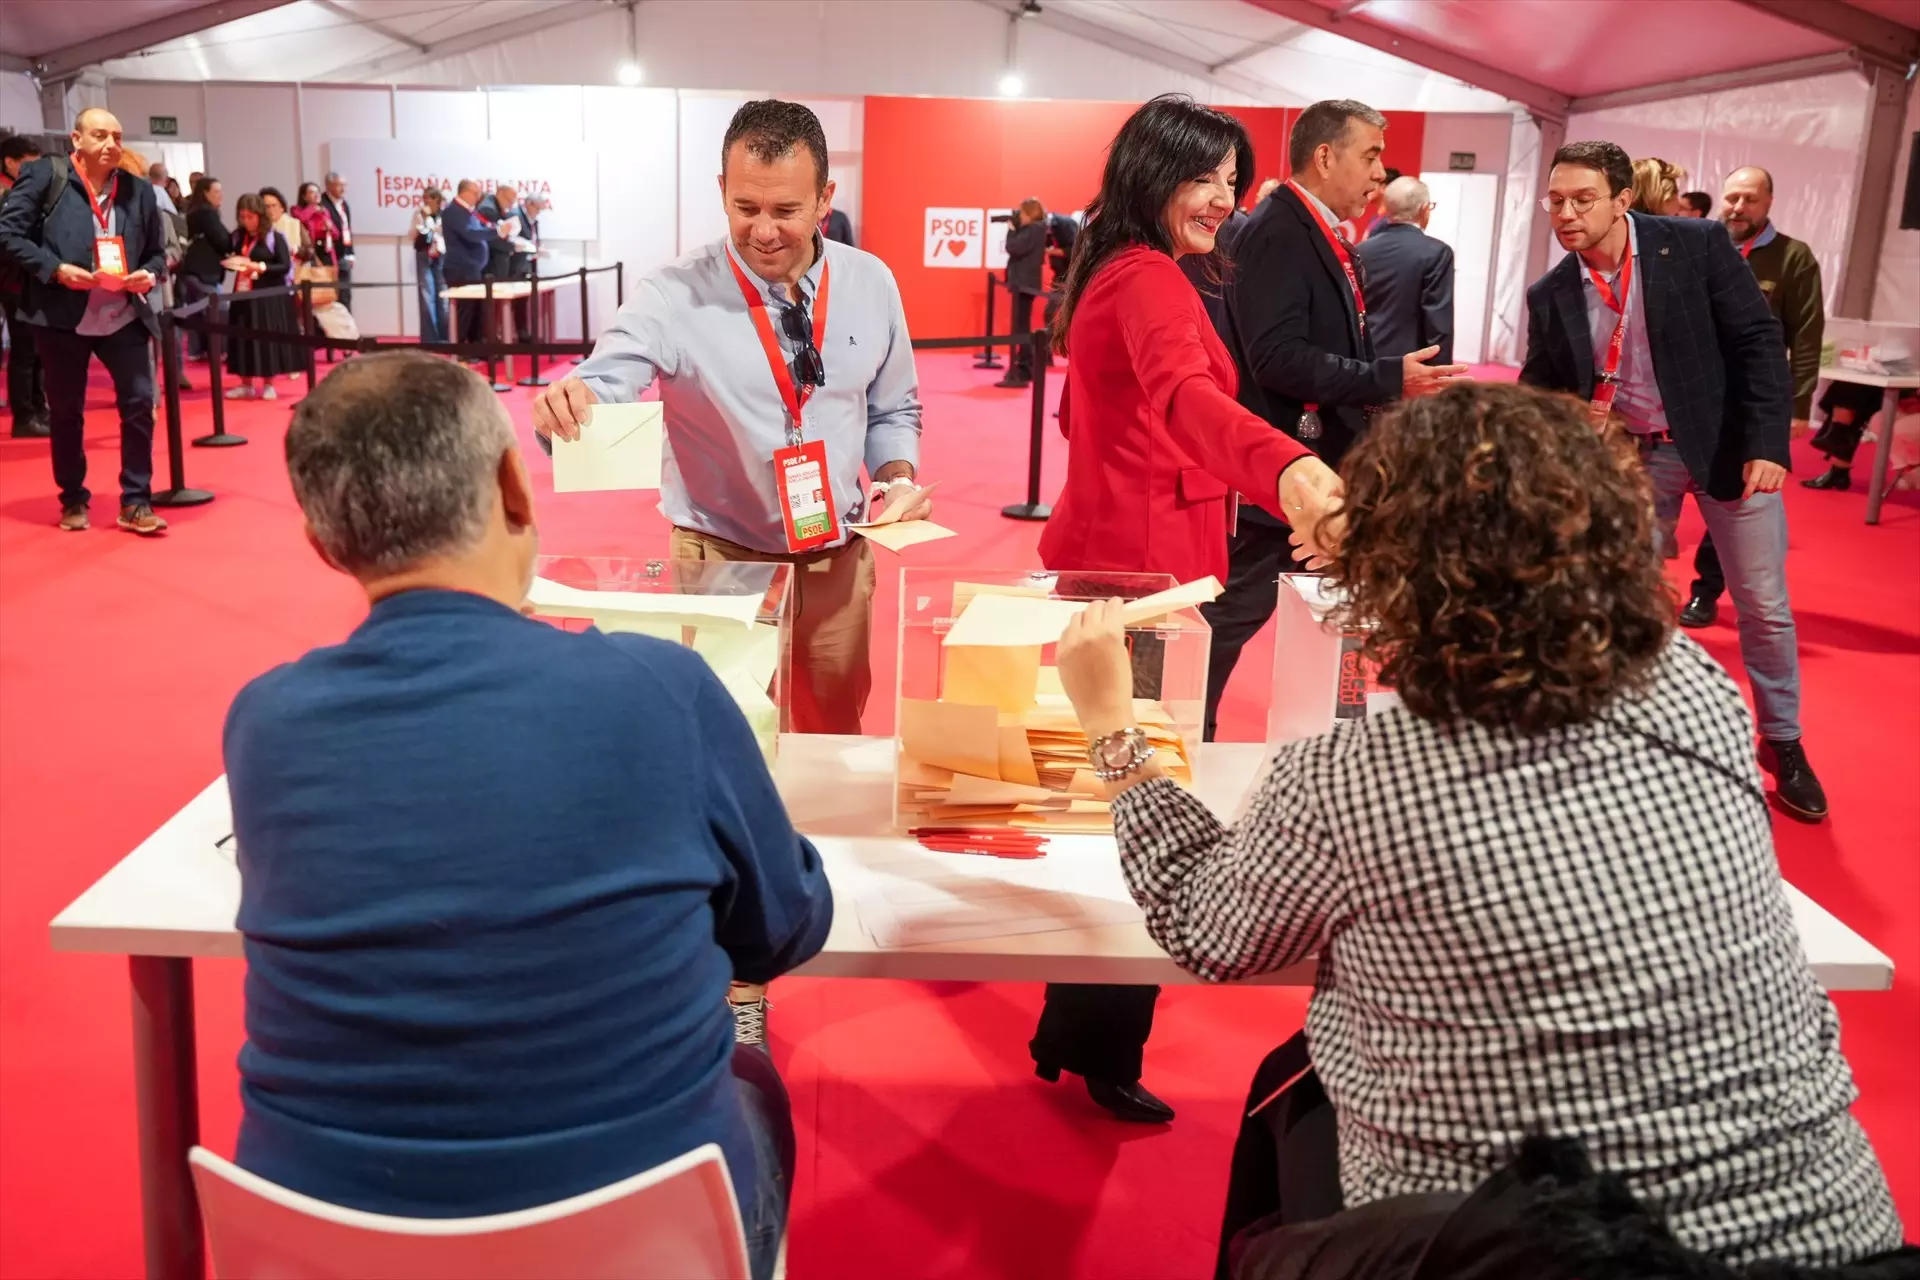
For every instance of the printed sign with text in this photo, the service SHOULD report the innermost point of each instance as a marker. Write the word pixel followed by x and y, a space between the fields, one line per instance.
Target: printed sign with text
pixel 385 178
pixel 954 237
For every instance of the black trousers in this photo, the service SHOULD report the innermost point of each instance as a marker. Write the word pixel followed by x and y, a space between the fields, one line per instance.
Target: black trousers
pixel 1256 557
pixel 1097 1030
pixel 128 356
pixel 1020 361
pixel 344 277
pixel 1286 1161
pixel 1709 580
pixel 26 383
pixel 469 318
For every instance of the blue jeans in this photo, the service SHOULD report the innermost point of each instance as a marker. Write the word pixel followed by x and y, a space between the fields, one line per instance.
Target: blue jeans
pixel 127 355
pixel 433 307
pixel 769 1117
pixel 1751 537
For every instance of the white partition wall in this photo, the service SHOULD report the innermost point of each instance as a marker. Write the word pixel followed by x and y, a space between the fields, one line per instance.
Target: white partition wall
pixel 279 135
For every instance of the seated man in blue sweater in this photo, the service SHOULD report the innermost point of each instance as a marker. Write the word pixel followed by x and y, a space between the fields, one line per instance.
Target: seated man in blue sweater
pixel 495 877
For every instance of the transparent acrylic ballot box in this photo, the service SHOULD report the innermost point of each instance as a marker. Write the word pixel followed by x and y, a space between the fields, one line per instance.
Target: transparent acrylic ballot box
pixel 1319 676
pixel 735 615
pixel 985 737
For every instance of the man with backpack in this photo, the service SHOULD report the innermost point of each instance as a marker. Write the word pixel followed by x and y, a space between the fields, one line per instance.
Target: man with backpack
pixel 92 247
pixel 26 389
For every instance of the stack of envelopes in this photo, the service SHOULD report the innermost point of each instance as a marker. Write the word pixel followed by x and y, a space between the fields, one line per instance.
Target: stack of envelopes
pixel 1002 746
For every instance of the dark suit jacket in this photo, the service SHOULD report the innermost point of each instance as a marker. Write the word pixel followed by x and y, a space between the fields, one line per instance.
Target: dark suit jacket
pixel 1026 252
pixel 1296 334
pixel 1409 290
pixel 208 244
pixel 1718 356
pixel 499 247
pixel 838 227
pixel 339 213
pixel 469 237
pixel 66 235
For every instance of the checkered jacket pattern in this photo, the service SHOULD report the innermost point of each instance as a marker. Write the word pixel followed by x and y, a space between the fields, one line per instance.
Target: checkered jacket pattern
pixel 1581 933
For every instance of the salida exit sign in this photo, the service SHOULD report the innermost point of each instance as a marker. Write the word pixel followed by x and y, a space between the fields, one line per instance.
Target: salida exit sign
pixel 163 126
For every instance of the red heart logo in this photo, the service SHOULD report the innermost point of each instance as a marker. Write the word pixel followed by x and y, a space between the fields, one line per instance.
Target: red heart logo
pixel 956 246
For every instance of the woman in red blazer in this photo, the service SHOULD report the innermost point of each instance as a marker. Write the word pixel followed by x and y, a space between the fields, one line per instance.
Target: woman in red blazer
pixel 1157 448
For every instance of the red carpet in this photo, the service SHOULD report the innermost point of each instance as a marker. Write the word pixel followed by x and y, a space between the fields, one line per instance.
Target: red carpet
pixel 927 1147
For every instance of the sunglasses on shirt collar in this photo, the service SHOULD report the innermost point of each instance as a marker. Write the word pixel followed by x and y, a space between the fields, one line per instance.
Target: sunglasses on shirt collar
pixel 809 370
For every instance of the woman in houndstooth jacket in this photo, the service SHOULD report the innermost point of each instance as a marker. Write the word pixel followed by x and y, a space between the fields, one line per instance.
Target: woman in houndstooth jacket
pixel 1542 890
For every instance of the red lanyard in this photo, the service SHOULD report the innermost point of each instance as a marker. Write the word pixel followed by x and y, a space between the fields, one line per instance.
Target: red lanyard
pixel 102 215
pixel 794 398
pixel 1746 246
pixel 1339 251
pixel 1605 387
pixel 1617 303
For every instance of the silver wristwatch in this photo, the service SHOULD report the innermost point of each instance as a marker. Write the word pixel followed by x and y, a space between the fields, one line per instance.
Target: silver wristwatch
pixel 1115 755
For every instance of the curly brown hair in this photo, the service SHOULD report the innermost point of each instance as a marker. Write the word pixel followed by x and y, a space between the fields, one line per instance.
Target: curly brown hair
pixel 1505 557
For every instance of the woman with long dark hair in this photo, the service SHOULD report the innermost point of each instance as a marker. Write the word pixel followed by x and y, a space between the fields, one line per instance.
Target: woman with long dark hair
pixel 1157 449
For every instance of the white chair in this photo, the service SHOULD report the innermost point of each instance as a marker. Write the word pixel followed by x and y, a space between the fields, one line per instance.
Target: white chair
pixel 677 1221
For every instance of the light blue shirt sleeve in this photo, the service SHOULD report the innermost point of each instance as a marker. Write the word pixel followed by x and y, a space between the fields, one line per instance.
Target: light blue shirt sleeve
pixel 893 398
pixel 637 349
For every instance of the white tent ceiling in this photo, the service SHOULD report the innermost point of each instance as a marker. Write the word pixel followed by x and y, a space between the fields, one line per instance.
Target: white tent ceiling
pixel 1545 54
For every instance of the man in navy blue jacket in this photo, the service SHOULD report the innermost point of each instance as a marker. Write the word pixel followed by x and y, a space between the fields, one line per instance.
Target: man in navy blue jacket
pixel 1660 326
pixel 495 876
pixel 90 240
pixel 470 236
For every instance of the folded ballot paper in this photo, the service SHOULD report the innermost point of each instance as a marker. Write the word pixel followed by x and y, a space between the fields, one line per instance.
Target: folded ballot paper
pixel 619 448
pixel 895 534
pixel 720 628
pixel 1001 745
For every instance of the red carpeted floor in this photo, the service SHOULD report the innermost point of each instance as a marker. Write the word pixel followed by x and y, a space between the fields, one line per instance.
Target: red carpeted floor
pixel 927 1148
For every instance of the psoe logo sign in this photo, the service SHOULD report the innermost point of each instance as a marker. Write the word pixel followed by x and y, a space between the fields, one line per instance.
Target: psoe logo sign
pixel 954 237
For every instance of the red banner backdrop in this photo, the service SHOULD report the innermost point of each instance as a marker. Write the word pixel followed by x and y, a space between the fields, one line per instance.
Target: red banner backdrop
pixel 930 164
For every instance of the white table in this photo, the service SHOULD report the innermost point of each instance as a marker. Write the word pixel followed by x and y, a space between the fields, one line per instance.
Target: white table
pixel 1894 384
pixel 175 897
pixel 504 294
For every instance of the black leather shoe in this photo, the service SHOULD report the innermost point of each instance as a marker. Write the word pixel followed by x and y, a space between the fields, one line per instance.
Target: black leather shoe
pixel 32 429
pixel 1130 1102
pixel 1014 384
pixel 1798 791
pixel 1836 478
pixel 1701 611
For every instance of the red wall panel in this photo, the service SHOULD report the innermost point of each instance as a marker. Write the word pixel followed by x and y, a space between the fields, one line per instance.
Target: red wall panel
pixel 984 153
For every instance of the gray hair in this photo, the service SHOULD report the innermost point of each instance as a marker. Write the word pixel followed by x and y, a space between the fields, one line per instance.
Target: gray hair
pixel 393 458
pixel 332 176
pixel 1405 198
pixel 1325 123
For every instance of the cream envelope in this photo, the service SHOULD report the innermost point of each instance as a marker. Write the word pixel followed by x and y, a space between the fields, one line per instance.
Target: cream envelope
pixel 951 735
pixel 898 536
pixel 619 448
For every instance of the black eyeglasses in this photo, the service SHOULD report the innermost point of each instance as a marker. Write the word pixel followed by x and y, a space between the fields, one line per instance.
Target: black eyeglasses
pixel 809 370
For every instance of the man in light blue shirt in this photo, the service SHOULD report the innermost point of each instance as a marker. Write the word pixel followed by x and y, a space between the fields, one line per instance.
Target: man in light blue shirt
pixel 841 335
pixel 833 315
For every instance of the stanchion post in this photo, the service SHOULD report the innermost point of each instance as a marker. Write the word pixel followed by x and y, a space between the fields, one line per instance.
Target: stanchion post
pixel 987 359
pixel 176 494
pixel 493 337
pixel 216 378
pixel 306 327
pixel 1033 508
pixel 533 378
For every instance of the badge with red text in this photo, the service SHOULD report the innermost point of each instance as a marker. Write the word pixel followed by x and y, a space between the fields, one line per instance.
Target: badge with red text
pixel 806 497
pixel 110 255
